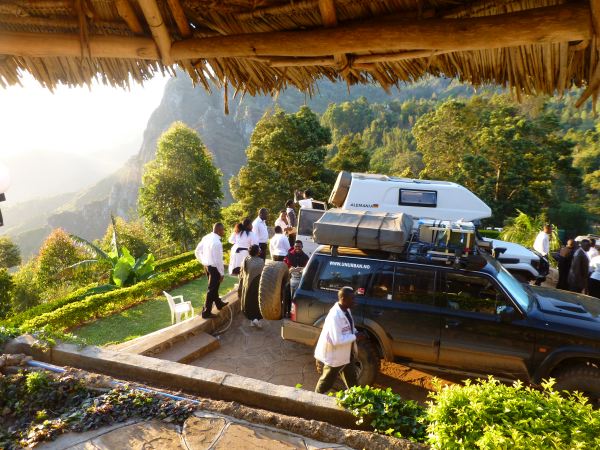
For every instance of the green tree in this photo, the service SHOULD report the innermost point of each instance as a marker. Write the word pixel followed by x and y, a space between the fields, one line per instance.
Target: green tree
pixel 523 230
pixel 397 155
pixel 181 194
pixel 286 152
pixel 10 255
pixel 26 291
pixel 133 235
pixel 57 253
pixel 508 159
pixel 6 287
pixel 347 117
pixel 350 156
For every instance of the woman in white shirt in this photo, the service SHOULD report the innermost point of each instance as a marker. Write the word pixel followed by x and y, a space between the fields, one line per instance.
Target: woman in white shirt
pixel 241 238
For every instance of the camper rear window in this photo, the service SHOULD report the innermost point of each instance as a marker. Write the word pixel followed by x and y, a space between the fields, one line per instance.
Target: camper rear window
pixel 410 197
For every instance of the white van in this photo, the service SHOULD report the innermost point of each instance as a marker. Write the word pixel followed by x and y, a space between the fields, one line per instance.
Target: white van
pixel 422 199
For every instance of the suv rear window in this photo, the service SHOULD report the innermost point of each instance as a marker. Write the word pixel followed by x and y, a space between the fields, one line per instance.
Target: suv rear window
pixel 337 273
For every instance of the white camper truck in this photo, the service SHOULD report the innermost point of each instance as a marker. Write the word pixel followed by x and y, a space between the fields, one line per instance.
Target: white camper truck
pixel 421 199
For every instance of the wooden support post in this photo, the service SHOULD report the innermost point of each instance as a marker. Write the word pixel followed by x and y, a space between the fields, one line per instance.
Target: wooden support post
pixel 43 45
pixel 159 30
pixel 128 15
pixel 180 18
pixel 562 23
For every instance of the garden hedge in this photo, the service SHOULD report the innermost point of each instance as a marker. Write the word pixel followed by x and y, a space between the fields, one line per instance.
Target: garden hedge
pixel 102 305
pixel 491 234
pixel 162 265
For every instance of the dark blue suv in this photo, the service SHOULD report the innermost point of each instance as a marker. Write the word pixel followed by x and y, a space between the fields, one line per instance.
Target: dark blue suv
pixel 473 321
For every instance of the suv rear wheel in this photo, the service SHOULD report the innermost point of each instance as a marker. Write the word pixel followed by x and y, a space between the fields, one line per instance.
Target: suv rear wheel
pixel 582 378
pixel 272 289
pixel 367 365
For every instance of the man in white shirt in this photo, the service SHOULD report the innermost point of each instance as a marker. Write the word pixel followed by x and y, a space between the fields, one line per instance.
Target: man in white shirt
pixel 210 253
pixel 279 245
pixel 306 202
pixel 336 344
pixel 542 241
pixel 259 226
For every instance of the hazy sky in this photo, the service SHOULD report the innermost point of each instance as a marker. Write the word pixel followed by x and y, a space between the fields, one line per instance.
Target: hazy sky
pixel 74 120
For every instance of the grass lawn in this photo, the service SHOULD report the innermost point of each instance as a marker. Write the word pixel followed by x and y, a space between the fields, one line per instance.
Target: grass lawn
pixel 147 317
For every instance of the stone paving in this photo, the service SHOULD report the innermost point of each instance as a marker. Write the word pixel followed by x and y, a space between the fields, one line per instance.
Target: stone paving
pixel 203 431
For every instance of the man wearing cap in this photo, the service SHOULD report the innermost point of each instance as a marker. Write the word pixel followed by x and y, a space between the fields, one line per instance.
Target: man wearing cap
pixel 337 343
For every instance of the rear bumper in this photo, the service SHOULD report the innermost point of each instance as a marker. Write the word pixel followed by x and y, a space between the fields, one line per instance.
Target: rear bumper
pixel 301 333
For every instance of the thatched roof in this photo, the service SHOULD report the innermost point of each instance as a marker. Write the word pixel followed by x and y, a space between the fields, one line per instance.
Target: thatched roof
pixel 533 46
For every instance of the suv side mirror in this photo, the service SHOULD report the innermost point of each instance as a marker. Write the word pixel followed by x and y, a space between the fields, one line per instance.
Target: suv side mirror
pixel 498 251
pixel 506 313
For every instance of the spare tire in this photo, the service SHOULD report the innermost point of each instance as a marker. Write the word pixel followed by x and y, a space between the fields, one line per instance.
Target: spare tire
pixel 340 189
pixel 272 289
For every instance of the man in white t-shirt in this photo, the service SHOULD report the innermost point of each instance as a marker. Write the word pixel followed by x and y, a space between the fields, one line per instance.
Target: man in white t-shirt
pixel 279 245
pixel 259 226
pixel 306 202
pixel 542 240
pixel 593 251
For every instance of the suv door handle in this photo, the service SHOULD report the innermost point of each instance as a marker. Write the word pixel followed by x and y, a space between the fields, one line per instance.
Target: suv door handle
pixel 452 323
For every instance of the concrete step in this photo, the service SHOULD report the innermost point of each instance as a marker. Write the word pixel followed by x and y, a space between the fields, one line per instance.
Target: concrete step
pixel 190 349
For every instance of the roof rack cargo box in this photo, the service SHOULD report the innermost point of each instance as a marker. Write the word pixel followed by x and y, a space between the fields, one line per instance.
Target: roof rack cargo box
pixel 363 229
pixel 430 199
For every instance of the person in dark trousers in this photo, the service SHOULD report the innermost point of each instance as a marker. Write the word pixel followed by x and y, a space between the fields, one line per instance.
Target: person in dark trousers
pixel 259 226
pixel 292 219
pixel 337 344
pixel 580 268
pixel 296 256
pixel 565 257
pixel 210 253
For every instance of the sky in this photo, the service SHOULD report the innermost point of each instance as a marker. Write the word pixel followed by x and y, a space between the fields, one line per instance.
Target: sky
pixel 40 130
pixel 74 120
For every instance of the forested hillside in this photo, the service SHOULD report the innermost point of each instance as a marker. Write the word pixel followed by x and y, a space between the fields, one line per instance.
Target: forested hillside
pixel 541 154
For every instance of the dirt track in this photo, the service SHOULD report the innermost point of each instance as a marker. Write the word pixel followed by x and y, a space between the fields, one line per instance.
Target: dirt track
pixel 263 354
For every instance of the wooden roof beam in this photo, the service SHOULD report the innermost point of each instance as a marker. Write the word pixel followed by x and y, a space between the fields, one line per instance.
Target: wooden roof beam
pixel 127 13
pixel 562 23
pixel 42 45
pixel 181 20
pixel 159 30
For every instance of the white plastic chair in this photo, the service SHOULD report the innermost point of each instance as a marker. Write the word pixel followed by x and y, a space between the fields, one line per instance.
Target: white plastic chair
pixel 179 309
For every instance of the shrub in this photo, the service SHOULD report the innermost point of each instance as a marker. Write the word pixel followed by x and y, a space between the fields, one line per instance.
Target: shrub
pixel 103 305
pixel 42 308
pixel 6 287
pixel 491 415
pixel 132 235
pixel 26 292
pixel 385 411
pixel 58 252
pixel 10 255
pixel 165 264
pixel 491 234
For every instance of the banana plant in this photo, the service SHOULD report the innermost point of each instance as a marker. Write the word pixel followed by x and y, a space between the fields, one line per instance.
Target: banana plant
pixel 125 269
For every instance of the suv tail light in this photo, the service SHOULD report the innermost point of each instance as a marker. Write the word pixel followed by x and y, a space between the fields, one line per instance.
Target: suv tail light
pixel 293 311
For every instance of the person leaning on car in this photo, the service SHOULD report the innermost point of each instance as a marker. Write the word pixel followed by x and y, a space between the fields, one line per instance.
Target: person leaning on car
pixel 337 343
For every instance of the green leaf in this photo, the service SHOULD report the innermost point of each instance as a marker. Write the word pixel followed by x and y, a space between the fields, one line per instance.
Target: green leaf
pixel 121 272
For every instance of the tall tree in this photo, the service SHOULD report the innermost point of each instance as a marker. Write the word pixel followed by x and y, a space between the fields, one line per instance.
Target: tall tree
pixel 10 255
pixel 181 194
pixel 510 160
pixel 286 152
pixel 350 156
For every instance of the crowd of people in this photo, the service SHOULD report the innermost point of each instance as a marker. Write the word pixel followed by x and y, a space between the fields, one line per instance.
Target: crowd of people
pixel 578 263
pixel 250 247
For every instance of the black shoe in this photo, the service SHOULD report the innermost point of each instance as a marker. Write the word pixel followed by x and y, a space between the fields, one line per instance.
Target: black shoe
pixel 208 315
pixel 222 305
